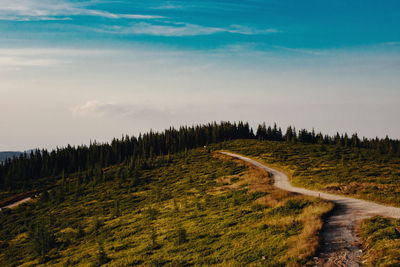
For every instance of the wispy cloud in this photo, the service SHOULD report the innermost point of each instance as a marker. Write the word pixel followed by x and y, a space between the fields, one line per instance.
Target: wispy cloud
pixel 98 109
pixel 391 43
pixel 25 10
pixel 172 30
pixel 250 31
pixel 184 29
pixel 6 62
pixel 33 18
pixel 133 16
pixel 313 52
pixel 36 10
pixel 156 25
pixel 169 5
pixel 105 14
pixel 12 60
pixel 16 59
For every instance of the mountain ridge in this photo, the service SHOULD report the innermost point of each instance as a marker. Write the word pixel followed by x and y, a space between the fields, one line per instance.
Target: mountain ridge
pixel 9 154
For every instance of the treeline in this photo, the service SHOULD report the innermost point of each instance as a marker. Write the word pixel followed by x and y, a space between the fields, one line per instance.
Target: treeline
pixel 22 172
pixel 383 146
pixel 25 171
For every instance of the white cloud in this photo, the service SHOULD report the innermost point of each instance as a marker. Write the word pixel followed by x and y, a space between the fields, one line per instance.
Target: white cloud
pixel 25 62
pixel 249 31
pixel 93 108
pixel 132 16
pixel 169 6
pixel 391 43
pixel 13 60
pixel 35 10
pixel 98 109
pixel 21 18
pixel 313 52
pixel 16 59
pixel 184 29
pixel 110 15
pixel 46 10
pixel 172 30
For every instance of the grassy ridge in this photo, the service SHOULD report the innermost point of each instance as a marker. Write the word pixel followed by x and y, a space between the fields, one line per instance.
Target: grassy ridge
pixel 189 208
pixel 358 172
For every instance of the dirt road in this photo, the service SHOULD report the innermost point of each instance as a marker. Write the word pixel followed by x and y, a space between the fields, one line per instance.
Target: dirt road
pixel 17 203
pixel 339 240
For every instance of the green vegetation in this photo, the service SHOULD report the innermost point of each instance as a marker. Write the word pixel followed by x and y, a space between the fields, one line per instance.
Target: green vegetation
pixel 166 199
pixel 353 171
pixel 182 209
pixel 381 241
pixel 42 168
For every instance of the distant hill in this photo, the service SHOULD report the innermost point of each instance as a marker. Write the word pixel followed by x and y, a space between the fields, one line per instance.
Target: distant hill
pixel 9 154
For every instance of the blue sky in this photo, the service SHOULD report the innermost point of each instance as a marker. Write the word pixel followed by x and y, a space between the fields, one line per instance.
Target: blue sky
pixel 69 68
pixel 268 25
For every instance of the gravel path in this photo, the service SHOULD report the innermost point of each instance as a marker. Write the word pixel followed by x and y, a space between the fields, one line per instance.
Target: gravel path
pixel 340 243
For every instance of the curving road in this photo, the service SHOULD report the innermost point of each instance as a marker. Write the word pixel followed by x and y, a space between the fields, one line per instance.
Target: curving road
pixel 339 239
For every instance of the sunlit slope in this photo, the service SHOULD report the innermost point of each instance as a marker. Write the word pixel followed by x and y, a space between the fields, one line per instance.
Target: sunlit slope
pixel 187 208
pixel 359 172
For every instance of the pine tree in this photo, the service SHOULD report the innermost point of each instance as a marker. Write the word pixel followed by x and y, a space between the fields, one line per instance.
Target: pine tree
pixel 60 194
pixel 289 134
pixel 42 239
pixel 116 208
pixel 80 232
pixel 101 257
pixel 44 197
pixel 153 238
pixel 181 235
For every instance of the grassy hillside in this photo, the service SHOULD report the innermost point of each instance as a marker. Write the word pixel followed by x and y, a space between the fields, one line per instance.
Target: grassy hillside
pixel 197 207
pixel 381 241
pixel 187 208
pixel 358 172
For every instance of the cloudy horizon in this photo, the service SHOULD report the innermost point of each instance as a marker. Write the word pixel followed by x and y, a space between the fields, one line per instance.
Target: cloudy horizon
pixel 73 71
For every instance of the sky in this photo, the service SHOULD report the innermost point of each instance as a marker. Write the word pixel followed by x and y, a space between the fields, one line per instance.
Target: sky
pixel 75 71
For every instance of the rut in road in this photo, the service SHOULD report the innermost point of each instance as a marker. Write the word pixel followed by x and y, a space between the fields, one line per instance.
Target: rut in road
pixel 340 243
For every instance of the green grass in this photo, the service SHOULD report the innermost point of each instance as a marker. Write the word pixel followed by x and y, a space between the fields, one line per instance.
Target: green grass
pixel 362 173
pixel 381 241
pixel 190 208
